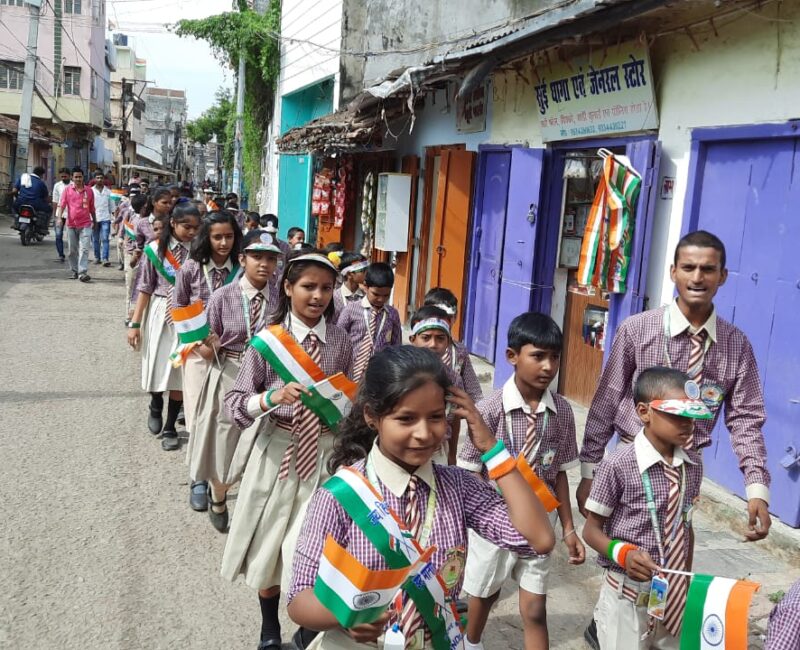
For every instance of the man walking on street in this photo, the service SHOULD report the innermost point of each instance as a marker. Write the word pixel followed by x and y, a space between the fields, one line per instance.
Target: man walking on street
pixel 104 208
pixel 79 202
pixel 58 190
pixel 688 335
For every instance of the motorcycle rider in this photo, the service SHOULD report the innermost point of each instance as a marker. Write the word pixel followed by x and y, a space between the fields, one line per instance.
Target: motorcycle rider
pixel 30 189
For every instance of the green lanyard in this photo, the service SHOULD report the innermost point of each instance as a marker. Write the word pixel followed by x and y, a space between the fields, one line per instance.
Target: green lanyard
pixel 427 524
pixel 231 275
pixel 651 507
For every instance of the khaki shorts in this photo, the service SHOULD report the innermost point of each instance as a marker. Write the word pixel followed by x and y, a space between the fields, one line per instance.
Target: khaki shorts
pixel 489 567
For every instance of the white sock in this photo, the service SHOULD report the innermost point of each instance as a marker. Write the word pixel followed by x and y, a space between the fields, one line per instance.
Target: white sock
pixel 468 645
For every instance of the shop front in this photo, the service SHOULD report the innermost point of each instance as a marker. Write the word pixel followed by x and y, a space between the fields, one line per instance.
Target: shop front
pixel 532 206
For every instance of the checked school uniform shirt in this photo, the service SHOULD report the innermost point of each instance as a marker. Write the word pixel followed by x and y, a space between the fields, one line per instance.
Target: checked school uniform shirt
pixel 729 363
pixel 783 632
pixel 463 501
pixel 558 450
pixel 144 232
pixel 457 359
pixel 226 317
pixel 191 283
pixel 618 494
pixel 151 281
pixel 352 320
pixel 256 375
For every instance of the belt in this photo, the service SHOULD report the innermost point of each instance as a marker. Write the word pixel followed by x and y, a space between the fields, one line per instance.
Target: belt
pixel 638 598
pixel 231 354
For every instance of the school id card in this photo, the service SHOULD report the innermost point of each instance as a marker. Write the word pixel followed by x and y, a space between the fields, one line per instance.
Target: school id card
pixel 657 603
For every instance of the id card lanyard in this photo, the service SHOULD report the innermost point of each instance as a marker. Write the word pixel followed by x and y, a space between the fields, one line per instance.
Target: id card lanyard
pixel 535 450
pixel 231 275
pixel 651 507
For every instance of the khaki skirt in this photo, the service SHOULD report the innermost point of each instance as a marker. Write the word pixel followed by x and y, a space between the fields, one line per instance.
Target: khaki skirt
pixel 218 449
pixel 158 342
pixel 194 375
pixel 340 640
pixel 269 513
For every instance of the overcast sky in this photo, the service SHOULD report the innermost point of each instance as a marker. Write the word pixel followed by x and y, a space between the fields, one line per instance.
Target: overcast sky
pixel 174 62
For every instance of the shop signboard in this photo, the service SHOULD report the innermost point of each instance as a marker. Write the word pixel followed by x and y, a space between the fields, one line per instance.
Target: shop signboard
pixel 607 91
pixel 471 111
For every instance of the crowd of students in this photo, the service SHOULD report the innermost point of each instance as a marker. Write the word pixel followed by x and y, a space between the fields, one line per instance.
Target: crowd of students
pixel 488 505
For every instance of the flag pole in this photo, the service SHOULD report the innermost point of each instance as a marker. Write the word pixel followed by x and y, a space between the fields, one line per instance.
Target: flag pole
pixel 676 572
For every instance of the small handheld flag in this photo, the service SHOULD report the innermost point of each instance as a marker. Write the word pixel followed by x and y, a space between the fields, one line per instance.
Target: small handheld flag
pixel 715 617
pixel 191 323
pixel 130 233
pixel 353 593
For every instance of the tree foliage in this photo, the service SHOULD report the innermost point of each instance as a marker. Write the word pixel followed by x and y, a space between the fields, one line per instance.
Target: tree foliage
pixel 255 35
pixel 213 120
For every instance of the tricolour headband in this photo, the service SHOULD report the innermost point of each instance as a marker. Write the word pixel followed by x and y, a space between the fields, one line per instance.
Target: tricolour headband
pixel 687 408
pixel 431 324
pixel 356 267
pixel 447 309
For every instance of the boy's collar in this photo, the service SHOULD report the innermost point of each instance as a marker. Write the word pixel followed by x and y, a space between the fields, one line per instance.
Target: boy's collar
pixel 678 323
pixel 647 455
pixel 395 477
pixel 366 304
pixel 512 399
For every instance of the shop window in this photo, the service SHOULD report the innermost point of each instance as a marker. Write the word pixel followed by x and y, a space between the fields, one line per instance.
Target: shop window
pixel 12 3
pixel 72 6
pixel 11 75
pixel 72 81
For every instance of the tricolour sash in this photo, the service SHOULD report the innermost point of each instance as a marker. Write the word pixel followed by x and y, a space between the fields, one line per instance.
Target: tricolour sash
pixel 167 267
pixel 370 512
pixel 331 398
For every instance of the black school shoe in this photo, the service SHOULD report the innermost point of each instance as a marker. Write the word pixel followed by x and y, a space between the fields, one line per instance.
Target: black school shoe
pixel 169 441
pixel 155 422
pixel 590 636
pixel 219 520
pixel 270 644
pixel 198 497
pixel 181 417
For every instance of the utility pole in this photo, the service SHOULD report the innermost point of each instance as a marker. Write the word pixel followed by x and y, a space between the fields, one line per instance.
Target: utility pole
pixel 239 138
pixel 123 136
pixel 28 83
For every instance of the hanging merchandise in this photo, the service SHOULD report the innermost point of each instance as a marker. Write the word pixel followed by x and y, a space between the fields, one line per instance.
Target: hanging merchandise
pixel 321 197
pixel 368 213
pixel 606 249
pixel 340 193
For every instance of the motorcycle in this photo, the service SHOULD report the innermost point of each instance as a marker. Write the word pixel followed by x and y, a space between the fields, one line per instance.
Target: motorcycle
pixel 29 225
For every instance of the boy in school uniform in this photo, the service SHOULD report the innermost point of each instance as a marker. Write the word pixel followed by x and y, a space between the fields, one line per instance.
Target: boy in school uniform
pixel 371 323
pixel 640 516
pixel 456 357
pixel 538 425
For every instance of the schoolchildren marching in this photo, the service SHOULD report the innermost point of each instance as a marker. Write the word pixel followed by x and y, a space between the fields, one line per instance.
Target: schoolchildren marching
pixel 345 442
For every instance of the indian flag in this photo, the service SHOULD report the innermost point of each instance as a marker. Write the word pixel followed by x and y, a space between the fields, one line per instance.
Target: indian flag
pixel 191 323
pixel 130 233
pixel 715 617
pixel 331 398
pixel 353 593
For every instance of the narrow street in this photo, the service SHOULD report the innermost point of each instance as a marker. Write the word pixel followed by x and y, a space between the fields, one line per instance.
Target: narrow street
pixel 99 548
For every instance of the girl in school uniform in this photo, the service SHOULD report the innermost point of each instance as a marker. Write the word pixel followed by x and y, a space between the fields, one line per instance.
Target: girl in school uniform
pixel 389 438
pixel 235 313
pixel 213 263
pixel 352 268
pixel 162 260
pixel 288 460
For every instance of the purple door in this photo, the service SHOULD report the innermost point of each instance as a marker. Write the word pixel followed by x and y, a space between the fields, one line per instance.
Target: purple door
pixel 487 246
pixel 516 288
pixel 747 193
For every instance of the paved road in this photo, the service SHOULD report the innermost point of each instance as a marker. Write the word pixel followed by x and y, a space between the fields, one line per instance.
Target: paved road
pixel 99 548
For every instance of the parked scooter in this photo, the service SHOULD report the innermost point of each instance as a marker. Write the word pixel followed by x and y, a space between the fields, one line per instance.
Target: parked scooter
pixel 32 226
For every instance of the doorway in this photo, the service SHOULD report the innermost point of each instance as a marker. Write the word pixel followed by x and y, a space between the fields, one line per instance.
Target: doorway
pixel 744 187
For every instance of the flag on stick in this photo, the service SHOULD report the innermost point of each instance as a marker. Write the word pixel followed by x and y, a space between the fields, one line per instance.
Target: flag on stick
pixel 191 323
pixel 715 617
